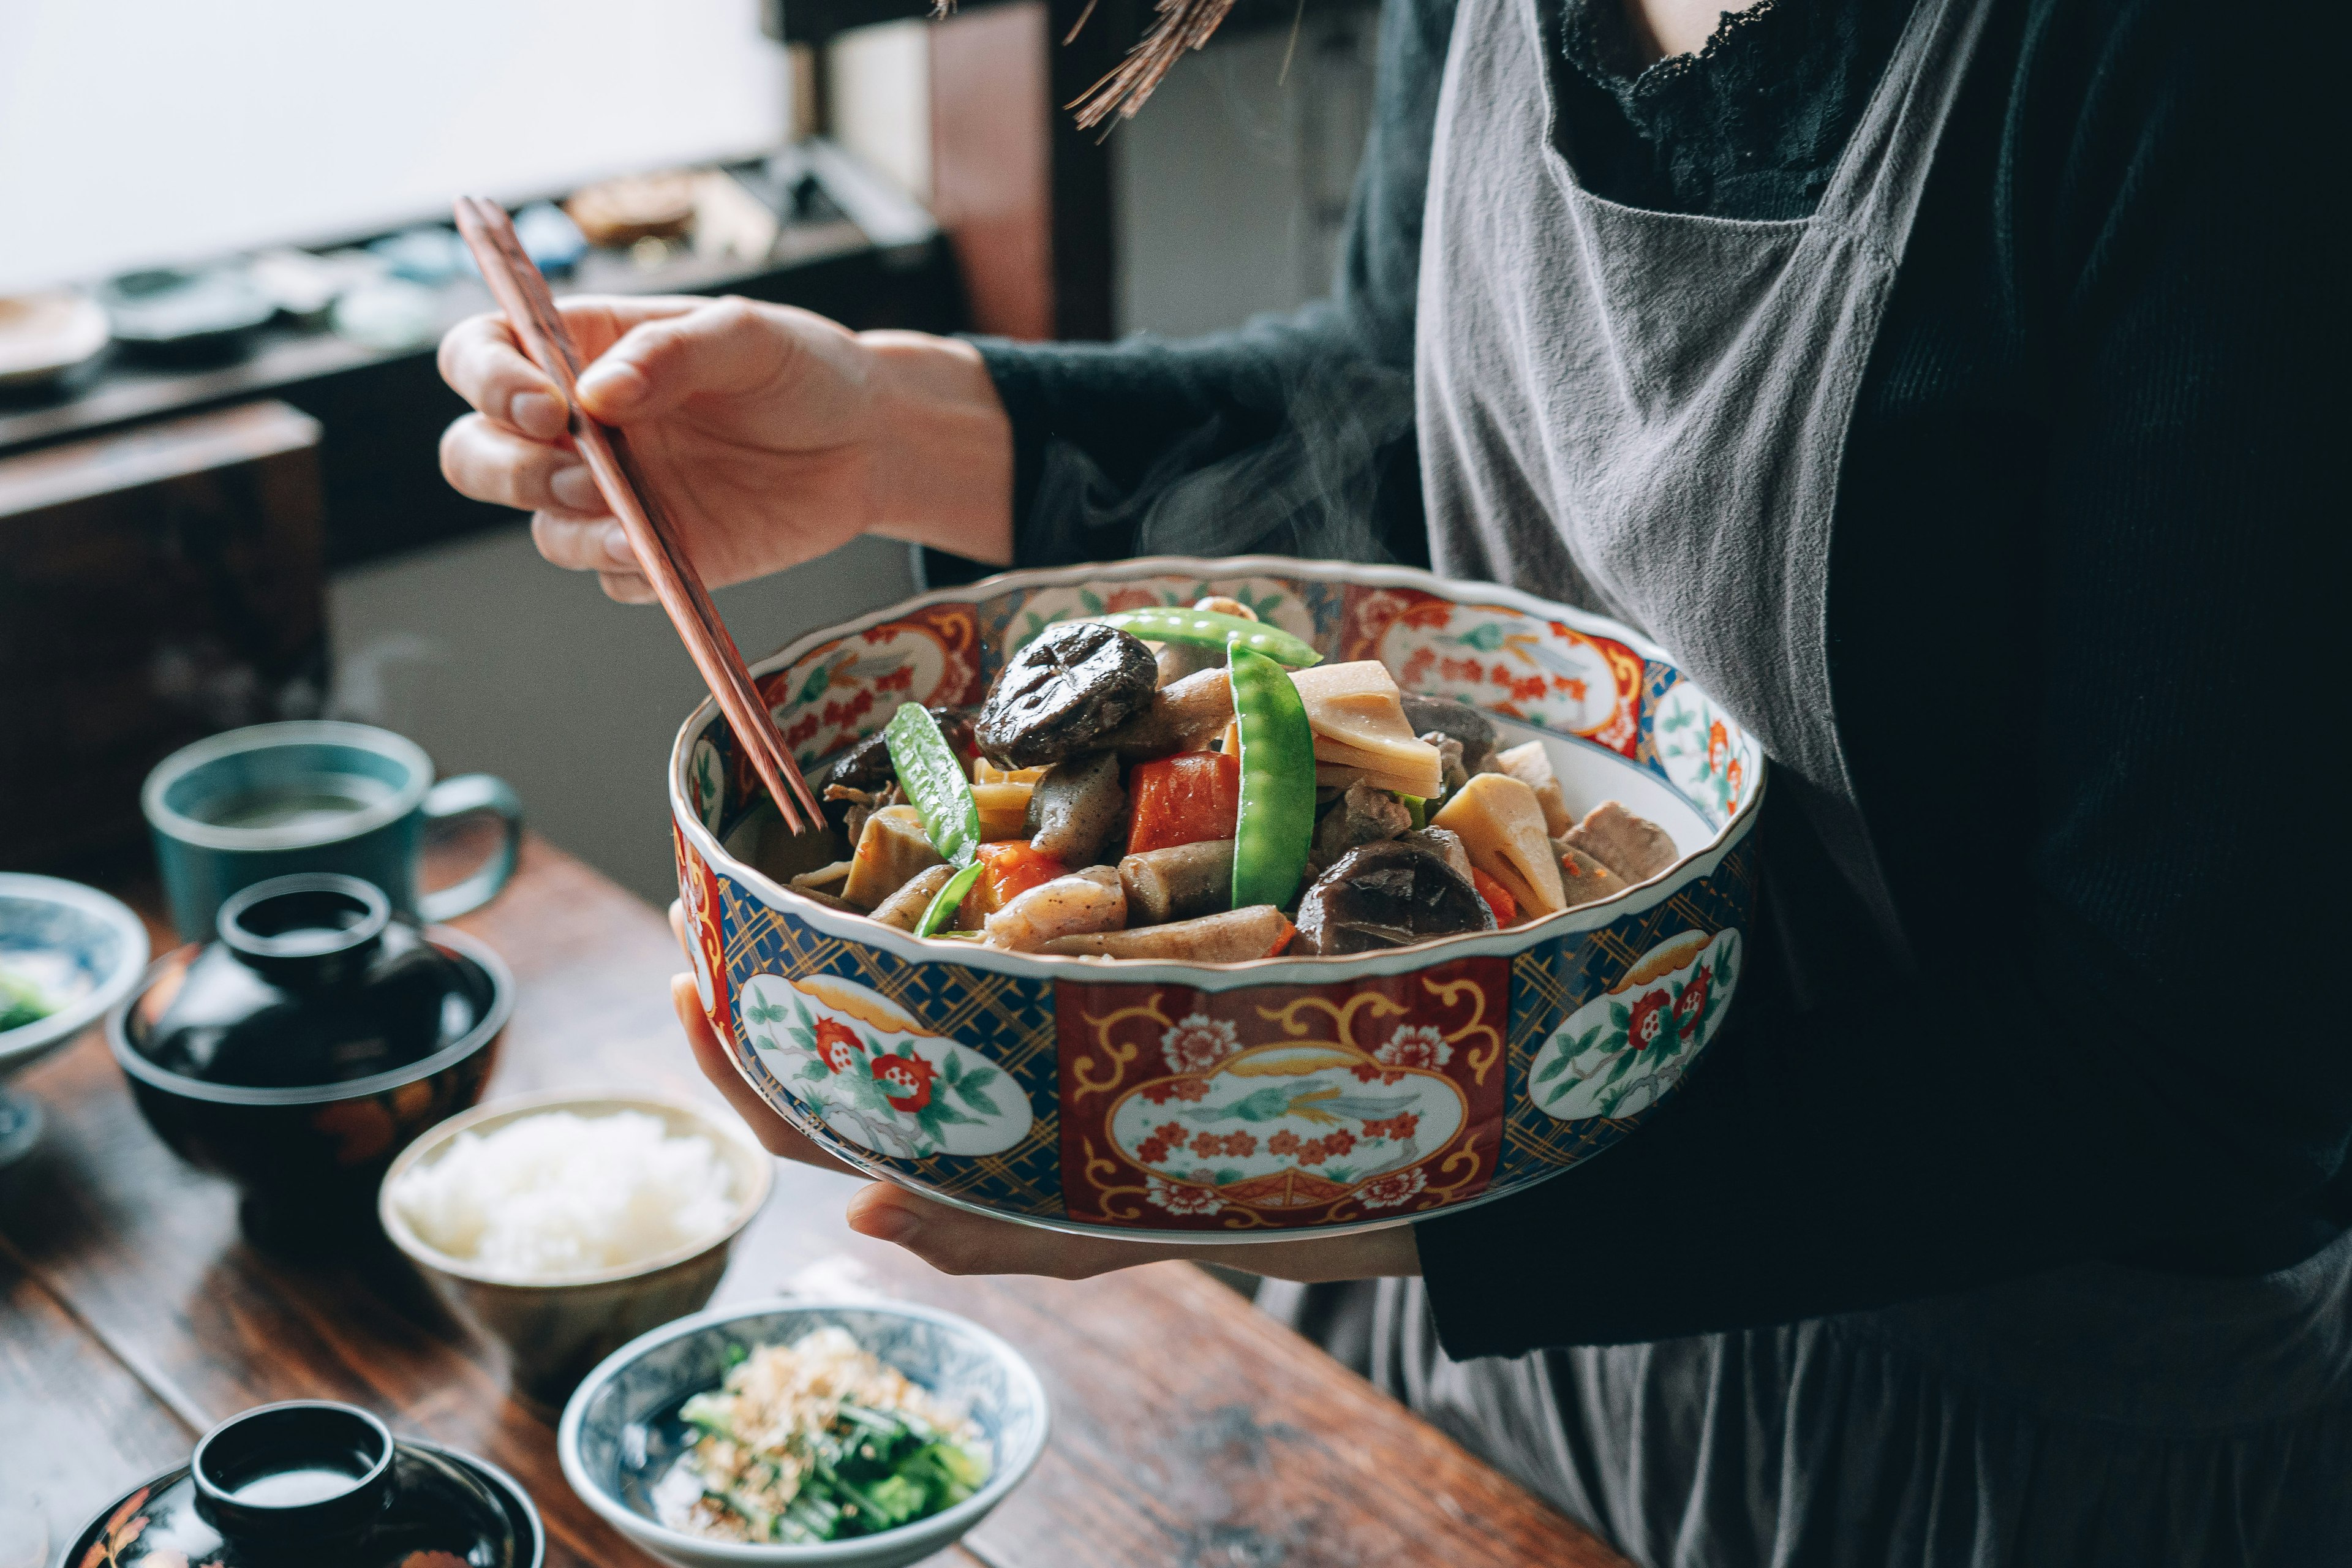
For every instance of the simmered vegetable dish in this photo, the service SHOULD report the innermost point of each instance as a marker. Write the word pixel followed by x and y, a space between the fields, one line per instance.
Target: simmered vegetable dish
pixel 1196 786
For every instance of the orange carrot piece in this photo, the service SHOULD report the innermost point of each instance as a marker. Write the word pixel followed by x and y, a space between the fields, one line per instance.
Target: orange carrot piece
pixel 1189 798
pixel 1498 898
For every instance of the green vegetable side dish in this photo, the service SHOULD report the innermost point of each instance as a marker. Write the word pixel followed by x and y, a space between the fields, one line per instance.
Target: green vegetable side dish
pixel 931 774
pixel 817 1441
pixel 21 1003
pixel 1212 628
pixel 1275 827
pixel 946 901
pixel 1416 811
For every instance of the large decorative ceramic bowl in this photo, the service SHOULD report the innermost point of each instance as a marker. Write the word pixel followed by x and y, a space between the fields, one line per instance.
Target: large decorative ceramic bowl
pixel 621 1433
pixel 1251 1100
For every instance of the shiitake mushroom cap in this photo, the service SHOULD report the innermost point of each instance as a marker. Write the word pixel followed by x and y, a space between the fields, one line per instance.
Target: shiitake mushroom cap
pixel 1074 683
pixel 1393 893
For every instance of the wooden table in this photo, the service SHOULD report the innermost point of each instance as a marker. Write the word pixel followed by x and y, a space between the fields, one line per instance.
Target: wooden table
pixel 1189 1430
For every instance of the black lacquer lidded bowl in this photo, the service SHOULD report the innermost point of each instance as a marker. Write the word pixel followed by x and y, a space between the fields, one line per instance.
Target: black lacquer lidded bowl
pixel 308 1045
pixel 311 1482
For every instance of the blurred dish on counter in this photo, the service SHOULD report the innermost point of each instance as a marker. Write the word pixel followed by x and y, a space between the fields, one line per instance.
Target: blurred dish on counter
pixel 67 954
pixel 44 335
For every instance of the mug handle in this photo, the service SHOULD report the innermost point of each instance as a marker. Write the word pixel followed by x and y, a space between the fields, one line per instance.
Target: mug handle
pixel 461 797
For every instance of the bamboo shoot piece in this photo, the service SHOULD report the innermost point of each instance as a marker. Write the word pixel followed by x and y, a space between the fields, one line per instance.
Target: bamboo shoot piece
pixel 1531 766
pixel 1003 809
pixel 890 850
pixel 985 771
pixel 1358 716
pixel 1501 823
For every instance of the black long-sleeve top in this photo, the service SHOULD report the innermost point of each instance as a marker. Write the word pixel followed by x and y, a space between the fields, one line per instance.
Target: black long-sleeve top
pixel 2086 519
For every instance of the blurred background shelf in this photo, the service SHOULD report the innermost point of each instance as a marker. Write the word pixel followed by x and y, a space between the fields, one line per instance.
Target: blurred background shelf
pixel 931 180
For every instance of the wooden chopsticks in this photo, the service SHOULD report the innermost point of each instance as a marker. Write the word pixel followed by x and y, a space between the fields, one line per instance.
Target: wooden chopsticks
pixel 522 294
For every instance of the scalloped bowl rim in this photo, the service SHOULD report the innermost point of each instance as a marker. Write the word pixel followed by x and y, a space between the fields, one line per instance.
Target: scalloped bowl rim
pixel 950 1524
pixel 1309 968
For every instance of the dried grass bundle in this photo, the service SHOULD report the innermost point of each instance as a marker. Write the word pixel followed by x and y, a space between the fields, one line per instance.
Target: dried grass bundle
pixel 1183 25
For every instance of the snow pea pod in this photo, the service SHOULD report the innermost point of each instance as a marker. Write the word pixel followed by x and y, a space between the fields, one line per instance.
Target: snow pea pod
pixel 932 775
pixel 944 904
pixel 1276 827
pixel 1213 628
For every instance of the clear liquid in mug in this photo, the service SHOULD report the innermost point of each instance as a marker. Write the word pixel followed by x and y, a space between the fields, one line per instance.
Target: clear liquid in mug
pixel 313 803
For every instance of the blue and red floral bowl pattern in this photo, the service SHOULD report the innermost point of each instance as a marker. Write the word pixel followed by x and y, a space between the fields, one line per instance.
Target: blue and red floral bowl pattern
pixel 1253 1100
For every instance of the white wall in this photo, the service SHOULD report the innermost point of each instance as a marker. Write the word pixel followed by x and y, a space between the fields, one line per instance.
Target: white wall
pixel 494 661
pixel 142 130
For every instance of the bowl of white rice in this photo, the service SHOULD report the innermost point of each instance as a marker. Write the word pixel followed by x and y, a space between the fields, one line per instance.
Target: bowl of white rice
pixel 564 1225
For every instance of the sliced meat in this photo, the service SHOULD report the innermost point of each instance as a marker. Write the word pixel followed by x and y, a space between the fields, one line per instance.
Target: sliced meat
pixel 1076 809
pixel 1633 846
pixel 1179 882
pixel 904 909
pixel 1583 879
pixel 1075 905
pixel 1235 936
pixel 1391 894
pixel 1363 815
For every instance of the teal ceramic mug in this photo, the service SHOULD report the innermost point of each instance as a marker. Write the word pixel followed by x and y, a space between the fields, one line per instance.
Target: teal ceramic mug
pixel 314 796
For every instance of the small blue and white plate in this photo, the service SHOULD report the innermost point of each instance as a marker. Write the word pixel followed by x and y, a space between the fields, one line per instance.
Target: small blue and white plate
pixel 83 953
pixel 620 1432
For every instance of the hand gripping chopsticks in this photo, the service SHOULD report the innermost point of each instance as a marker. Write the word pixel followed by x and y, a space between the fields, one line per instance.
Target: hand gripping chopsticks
pixel 522 294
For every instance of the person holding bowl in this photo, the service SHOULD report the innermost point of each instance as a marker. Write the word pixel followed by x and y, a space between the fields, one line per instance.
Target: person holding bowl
pixel 1937 381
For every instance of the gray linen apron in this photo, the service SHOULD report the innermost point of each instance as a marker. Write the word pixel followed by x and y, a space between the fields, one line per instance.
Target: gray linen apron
pixel 1646 413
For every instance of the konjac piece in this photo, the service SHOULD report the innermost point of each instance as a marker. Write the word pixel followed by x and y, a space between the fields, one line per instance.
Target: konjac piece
pixel 1633 846
pixel 889 852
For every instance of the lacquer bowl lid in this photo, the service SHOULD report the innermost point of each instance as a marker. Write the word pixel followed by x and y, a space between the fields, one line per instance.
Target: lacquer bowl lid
pixel 311 1481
